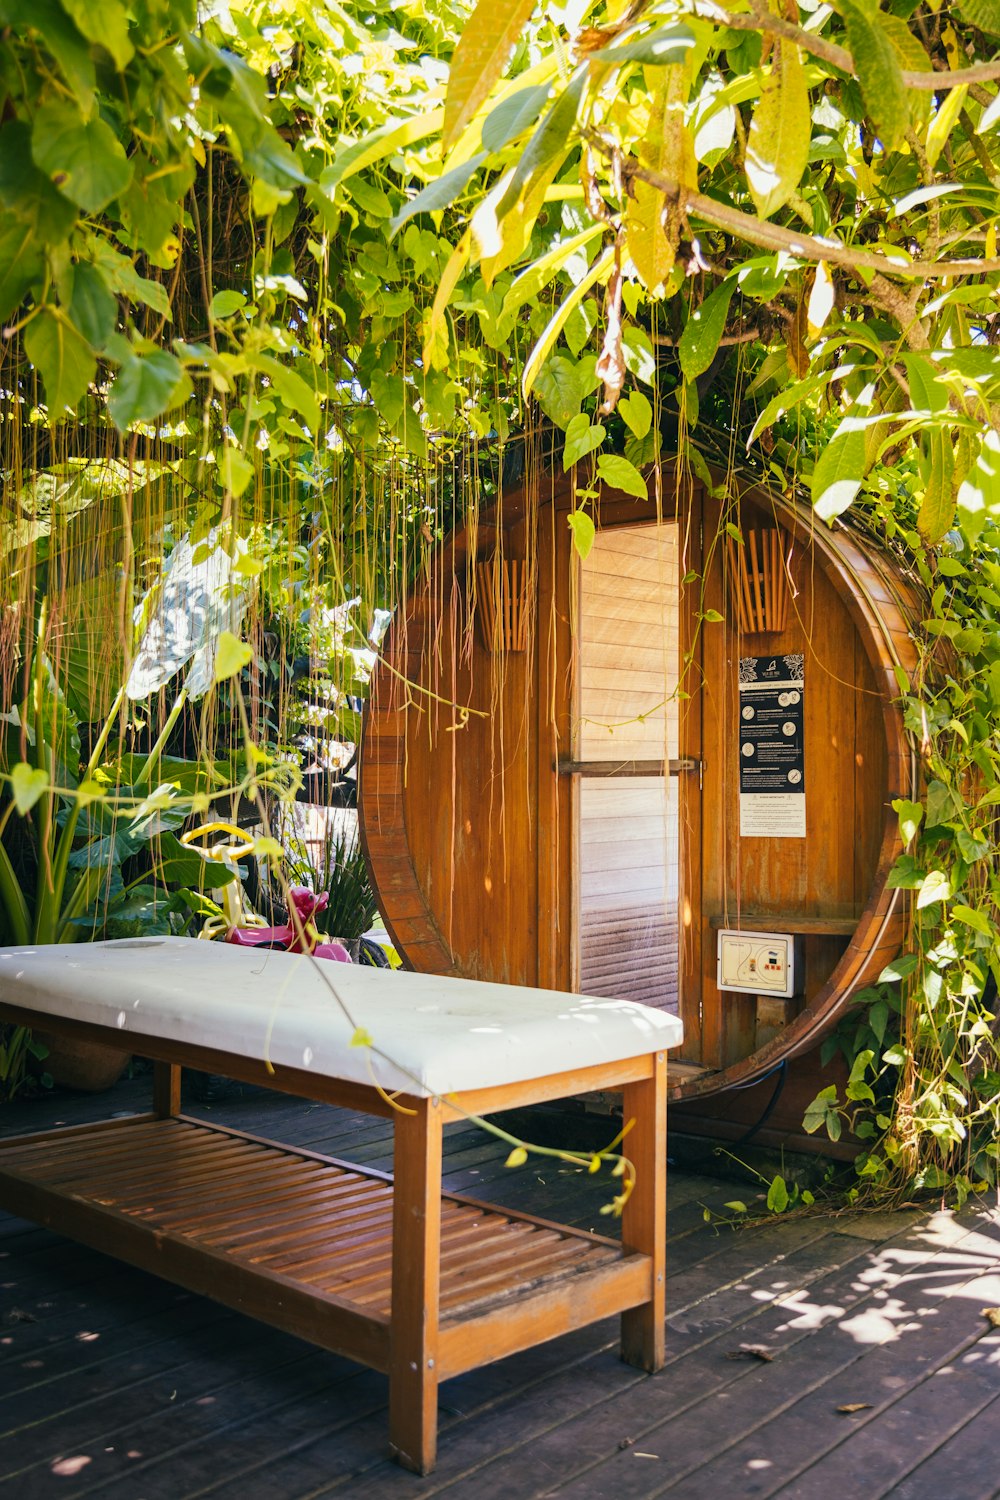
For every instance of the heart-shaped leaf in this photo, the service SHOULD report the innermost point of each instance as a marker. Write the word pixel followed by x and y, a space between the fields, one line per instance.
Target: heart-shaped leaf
pixel 231 656
pixel 27 783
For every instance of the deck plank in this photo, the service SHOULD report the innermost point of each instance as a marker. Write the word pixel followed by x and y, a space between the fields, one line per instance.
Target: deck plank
pixel 122 1386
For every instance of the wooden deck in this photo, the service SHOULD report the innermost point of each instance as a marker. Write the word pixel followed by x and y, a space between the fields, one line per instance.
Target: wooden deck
pixel 118 1386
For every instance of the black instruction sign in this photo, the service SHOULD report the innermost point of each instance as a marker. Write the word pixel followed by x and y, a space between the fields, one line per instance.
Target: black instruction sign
pixel 771 746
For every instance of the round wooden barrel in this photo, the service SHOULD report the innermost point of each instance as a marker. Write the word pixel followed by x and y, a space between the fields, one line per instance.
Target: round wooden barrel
pixel 504 827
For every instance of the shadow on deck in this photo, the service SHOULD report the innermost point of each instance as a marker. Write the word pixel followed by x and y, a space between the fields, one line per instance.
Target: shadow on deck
pixel 115 1384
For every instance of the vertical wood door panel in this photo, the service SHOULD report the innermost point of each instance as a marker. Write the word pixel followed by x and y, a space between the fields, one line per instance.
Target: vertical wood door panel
pixel 626 832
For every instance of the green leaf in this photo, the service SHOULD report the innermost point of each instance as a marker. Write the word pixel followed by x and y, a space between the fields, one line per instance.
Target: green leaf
pixel 619 474
pixel 527 286
pixel 376 146
pixel 637 412
pixel 581 439
pixel 235 471
pixel 548 145
pixel 224 304
pixel 27 783
pixel 439 193
pixel 152 206
pixel 535 365
pixel 777 1196
pixel 909 814
pixel 557 390
pixel 144 388
pixel 61 38
pixel 640 360
pixel 943 803
pixel 879 73
pixel 584 531
pixel 295 392
pixel 937 508
pixel 231 656
pixel 180 865
pixel 837 476
pixel 488 38
pixel 971 849
pixel 979 493
pixel 62 357
pixel 778 139
pixel 658 49
pixel 927 392
pixel 900 968
pixel 389 394
pixel 513 115
pixel 822 1106
pixel 26 192
pixel 92 307
pixel 736 1206
pixel 20 264
pixel 704 328
pixel 878 1020
pixel 83 158
pixel 106 24
pixel 983 14
pixel 936 886
pixel 977 920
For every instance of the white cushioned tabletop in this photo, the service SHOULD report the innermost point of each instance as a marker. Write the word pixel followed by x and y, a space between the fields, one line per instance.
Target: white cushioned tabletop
pixel 430 1035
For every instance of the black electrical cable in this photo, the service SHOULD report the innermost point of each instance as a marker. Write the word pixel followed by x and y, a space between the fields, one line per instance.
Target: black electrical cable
pixel 782 1073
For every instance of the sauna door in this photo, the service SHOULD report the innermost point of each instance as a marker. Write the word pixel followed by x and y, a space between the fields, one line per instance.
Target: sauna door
pixel 627 865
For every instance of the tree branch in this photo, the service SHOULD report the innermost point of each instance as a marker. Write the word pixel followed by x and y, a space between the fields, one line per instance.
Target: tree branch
pixel 837 56
pixel 773 237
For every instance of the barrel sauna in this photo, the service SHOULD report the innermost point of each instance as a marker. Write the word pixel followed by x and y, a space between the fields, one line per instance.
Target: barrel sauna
pixel 566 779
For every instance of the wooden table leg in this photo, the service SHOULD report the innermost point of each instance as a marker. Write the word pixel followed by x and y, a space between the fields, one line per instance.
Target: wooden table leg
pixel 644 1217
pixel 166 1089
pixel 416 1253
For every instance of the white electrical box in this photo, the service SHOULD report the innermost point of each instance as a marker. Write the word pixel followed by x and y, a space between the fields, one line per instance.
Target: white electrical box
pixel 757 963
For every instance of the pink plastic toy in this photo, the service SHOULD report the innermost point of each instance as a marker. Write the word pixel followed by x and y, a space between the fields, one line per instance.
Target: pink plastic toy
pixel 287 936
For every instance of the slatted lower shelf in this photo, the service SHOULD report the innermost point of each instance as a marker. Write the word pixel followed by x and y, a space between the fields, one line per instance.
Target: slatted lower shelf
pixel 303 1241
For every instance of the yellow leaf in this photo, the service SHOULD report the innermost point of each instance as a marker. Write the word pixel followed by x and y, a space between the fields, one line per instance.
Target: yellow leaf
pixel 517 1157
pixel 944 121
pixel 652 234
pixel 778 141
pixel 652 253
pixel 855 1406
pixel 361 1038
pixel 821 298
pixel 993 1314
pixel 598 272
pixel 449 280
pixel 990 248
pixel 264 847
pixel 89 791
pixel 511 233
pixel 595 1165
pixel 488 38
pixel 231 656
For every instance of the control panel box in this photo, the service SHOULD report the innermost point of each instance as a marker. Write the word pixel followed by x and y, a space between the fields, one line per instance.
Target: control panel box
pixel 759 963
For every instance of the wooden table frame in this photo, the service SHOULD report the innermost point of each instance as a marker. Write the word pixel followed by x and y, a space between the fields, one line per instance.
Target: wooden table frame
pixel 78 1181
